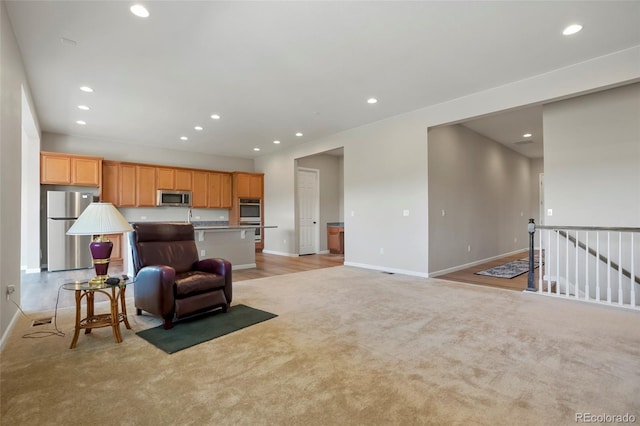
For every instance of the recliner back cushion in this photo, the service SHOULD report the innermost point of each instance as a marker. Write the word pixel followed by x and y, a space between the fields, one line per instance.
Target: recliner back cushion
pixel 170 244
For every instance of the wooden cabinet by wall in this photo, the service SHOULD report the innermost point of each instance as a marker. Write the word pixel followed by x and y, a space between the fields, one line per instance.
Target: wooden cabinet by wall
pixel 145 186
pixel 248 185
pixel 66 169
pixel 116 252
pixel 335 239
pixel 110 182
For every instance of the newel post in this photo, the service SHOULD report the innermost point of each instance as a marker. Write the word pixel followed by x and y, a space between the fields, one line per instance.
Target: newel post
pixel 531 281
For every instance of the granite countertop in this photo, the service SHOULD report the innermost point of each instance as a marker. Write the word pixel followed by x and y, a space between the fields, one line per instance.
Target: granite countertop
pixel 335 224
pixel 221 224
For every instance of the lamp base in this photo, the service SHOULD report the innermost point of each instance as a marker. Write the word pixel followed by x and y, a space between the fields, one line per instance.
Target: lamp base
pixel 101 253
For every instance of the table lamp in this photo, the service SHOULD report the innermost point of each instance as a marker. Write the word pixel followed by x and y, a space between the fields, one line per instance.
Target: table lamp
pixel 99 219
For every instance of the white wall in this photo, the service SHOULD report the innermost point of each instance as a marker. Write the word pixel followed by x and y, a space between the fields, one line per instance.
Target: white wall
pixel 592 159
pixel 537 168
pixel 385 164
pixel 483 189
pixel 12 81
pixel 123 151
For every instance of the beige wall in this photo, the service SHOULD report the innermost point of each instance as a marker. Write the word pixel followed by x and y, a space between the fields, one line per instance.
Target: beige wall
pixel 592 159
pixel 12 81
pixel 123 151
pixel 385 165
pixel 479 200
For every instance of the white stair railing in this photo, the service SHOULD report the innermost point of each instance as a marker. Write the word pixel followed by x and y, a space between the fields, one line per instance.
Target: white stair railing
pixel 593 264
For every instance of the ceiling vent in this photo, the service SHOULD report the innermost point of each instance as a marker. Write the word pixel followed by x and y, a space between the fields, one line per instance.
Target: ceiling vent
pixel 523 142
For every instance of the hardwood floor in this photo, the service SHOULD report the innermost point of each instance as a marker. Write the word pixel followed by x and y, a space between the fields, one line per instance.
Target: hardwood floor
pixel 268 265
pixel 469 276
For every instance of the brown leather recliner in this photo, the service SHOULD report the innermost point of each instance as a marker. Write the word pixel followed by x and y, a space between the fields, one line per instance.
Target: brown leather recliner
pixel 170 279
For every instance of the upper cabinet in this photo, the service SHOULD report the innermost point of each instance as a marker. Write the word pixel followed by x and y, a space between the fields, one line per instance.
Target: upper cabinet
pixel 66 169
pixel 135 185
pixel 110 191
pixel 248 185
pixel 175 179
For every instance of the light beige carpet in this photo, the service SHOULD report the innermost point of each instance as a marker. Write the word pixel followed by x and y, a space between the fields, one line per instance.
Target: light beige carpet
pixel 349 346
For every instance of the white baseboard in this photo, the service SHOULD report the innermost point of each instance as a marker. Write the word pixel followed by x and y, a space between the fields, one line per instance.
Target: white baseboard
pixel 386 269
pixel 245 266
pixel 280 253
pixel 323 252
pixel 477 262
pixel 7 332
pixel 33 271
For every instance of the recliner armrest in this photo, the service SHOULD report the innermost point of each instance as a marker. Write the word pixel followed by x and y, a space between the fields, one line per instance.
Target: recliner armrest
pixel 220 267
pixel 153 289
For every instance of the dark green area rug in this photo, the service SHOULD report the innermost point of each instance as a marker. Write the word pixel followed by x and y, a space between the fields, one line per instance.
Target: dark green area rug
pixel 195 330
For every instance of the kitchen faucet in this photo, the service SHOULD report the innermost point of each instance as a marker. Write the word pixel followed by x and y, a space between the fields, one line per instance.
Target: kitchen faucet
pixel 189 215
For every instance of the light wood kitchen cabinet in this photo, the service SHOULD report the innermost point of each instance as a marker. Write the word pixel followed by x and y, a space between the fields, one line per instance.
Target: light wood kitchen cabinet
pixel 110 182
pixel 67 169
pixel 127 185
pixel 174 179
pixel 184 180
pixel 248 185
pixel 165 178
pixel 145 186
pixel 335 239
pixel 200 195
pixel 219 190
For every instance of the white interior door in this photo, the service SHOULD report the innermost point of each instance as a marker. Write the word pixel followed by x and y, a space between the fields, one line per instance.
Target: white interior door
pixel 308 210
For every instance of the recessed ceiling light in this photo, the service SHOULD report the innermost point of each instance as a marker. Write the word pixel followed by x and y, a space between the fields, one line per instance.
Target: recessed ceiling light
pixel 372 101
pixel 299 134
pixel 527 135
pixel 256 149
pixel 83 107
pixel 572 29
pixel 184 138
pixel 215 116
pixel 86 89
pixel 80 122
pixel 198 128
pixel 276 142
pixel 139 10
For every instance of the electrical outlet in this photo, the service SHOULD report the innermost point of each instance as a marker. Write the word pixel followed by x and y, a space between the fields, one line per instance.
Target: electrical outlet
pixel 10 290
pixel 202 252
pixel 469 248
pixel 381 250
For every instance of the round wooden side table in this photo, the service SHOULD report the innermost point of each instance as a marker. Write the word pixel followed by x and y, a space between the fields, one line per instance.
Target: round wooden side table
pixel 118 307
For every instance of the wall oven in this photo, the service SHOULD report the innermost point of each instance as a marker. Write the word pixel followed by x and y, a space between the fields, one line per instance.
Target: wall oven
pixel 250 210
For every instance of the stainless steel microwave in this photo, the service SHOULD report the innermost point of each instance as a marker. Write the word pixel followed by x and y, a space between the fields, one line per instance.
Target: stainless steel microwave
pixel 173 198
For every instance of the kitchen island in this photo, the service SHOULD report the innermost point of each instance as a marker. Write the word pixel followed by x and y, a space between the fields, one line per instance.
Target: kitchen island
pixel 235 243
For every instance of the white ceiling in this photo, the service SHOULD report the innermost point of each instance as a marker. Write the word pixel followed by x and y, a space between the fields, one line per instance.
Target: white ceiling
pixel 272 69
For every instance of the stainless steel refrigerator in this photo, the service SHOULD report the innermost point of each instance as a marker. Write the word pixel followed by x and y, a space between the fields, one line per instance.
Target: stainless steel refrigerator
pixel 66 251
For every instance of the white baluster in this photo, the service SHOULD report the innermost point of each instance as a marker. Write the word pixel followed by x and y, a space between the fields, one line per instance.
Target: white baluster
pixel 540 270
pixel 557 261
pixel 566 268
pixel 608 267
pixel 620 295
pixel 633 275
pixel 586 269
pixel 577 252
pixel 597 266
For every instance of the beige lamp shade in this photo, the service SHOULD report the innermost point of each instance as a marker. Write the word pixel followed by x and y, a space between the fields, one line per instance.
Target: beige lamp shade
pixel 99 219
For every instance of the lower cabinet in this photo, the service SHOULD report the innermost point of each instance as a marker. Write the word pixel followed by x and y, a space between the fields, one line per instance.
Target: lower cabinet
pixel 335 239
pixel 116 252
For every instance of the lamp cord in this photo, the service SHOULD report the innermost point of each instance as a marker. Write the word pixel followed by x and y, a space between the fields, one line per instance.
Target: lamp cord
pixel 43 333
